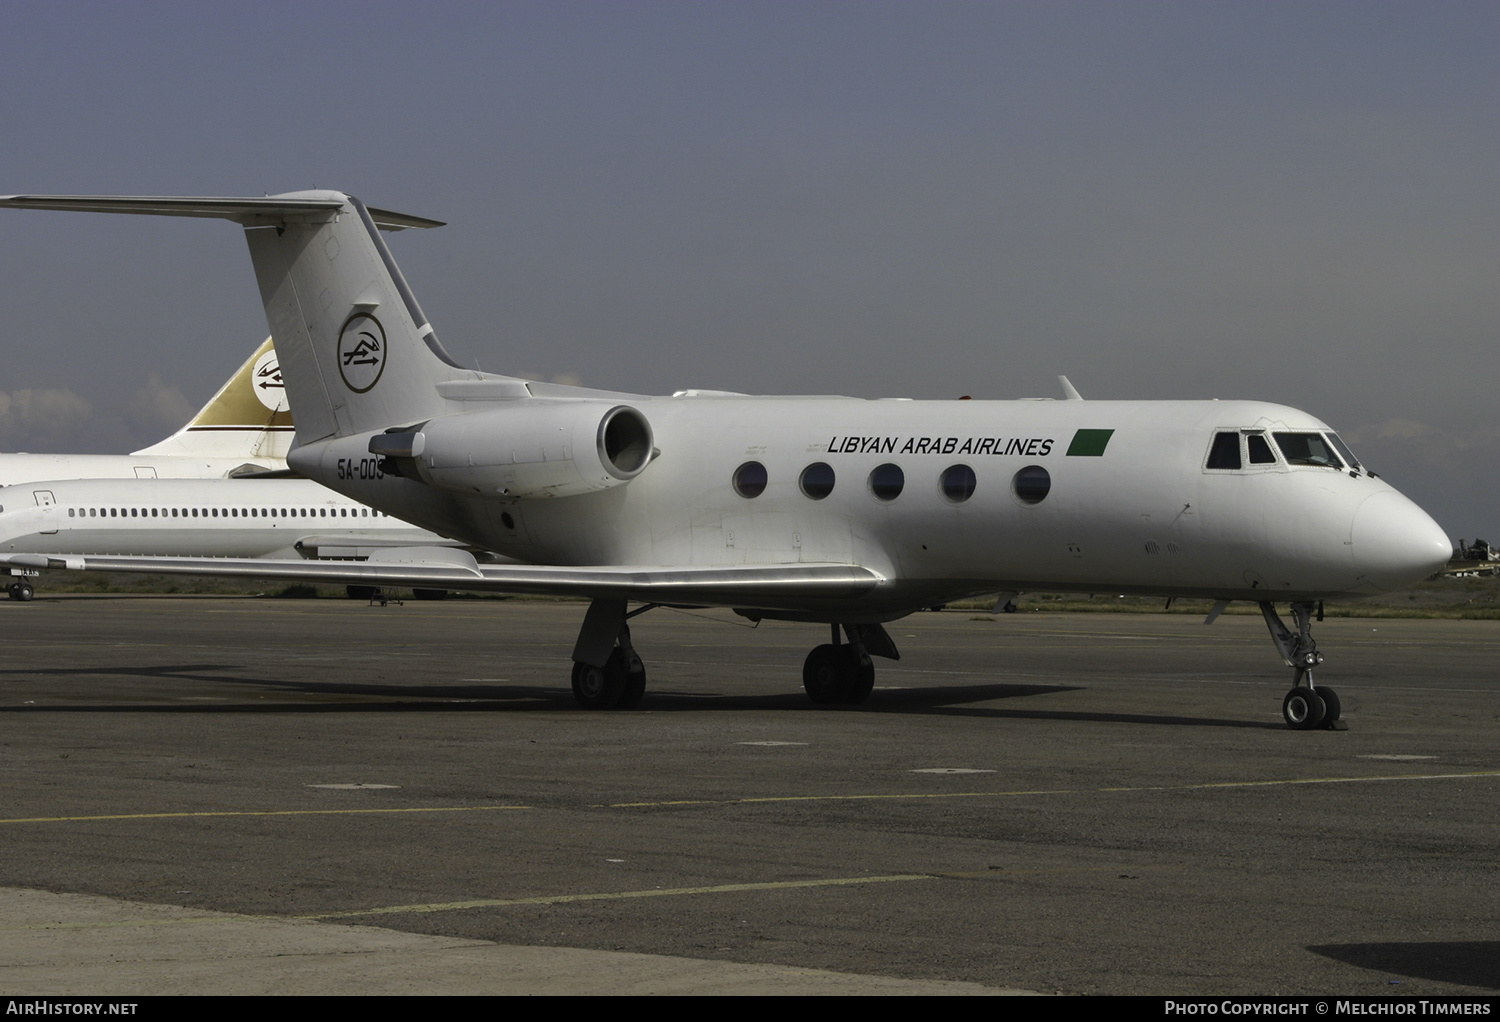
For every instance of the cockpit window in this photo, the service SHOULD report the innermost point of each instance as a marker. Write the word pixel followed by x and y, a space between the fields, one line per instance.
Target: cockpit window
pixel 1260 450
pixel 1307 449
pixel 1225 453
pixel 1343 449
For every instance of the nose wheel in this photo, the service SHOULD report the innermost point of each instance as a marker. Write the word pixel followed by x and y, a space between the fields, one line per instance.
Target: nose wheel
pixel 1307 706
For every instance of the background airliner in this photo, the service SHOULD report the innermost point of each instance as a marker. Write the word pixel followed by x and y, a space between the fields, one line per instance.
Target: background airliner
pixel 836 510
pixel 213 488
pixel 244 517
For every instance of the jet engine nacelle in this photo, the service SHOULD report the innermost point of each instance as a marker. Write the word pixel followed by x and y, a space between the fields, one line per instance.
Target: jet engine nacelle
pixel 532 448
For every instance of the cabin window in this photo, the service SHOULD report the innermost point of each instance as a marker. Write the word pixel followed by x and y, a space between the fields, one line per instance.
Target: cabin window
pixel 1031 484
pixel 750 480
pixel 1225 452
pixel 1307 449
pixel 887 481
pixel 817 480
pixel 70 513
pixel 957 483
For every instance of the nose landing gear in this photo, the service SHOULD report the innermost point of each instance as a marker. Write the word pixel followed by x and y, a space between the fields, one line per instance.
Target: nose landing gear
pixel 1306 706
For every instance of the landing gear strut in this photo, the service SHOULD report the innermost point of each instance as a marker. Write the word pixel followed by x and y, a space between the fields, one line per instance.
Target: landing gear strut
pixel 1306 706
pixel 841 672
pixel 607 673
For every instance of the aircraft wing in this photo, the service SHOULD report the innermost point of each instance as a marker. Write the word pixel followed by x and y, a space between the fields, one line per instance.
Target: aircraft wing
pixel 767 586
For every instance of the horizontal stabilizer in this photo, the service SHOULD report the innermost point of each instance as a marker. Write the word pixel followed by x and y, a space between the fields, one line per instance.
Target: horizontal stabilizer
pixel 247 211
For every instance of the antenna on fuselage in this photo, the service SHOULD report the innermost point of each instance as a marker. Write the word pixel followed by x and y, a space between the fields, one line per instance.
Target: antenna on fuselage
pixel 1070 392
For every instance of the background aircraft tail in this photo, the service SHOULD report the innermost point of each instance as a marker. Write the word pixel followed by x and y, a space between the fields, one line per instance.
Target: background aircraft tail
pixel 247 418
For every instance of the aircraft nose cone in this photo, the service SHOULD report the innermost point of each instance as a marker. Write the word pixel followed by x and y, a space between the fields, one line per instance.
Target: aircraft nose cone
pixel 1395 543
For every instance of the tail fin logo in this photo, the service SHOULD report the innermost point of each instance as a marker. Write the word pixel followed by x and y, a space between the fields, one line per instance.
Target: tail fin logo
pixel 361 352
pixel 265 382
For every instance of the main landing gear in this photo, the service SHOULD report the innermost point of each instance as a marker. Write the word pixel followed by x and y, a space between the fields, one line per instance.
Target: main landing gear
pixel 21 591
pixel 841 672
pixel 608 675
pixel 1306 706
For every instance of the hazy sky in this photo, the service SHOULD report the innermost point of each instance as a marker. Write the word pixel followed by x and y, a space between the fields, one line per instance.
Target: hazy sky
pixel 1294 202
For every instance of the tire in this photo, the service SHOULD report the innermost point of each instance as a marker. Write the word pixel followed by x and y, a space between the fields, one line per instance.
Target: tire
pixel 1332 708
pixel 1303 709
pixel 599 688
pixel 635 684
pixel 861 676
pixel 825 676
pixel 21 591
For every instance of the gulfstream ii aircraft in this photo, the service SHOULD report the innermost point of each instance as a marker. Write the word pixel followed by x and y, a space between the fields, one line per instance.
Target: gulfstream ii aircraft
pixel 837 510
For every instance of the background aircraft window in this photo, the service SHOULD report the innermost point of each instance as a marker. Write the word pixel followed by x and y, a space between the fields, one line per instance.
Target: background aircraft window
pixel 750 479
pixel 1343 449
pixel 1307 449
pixel 887 481
pixel 958 483
pixel 817 480
pixel 1032 484
pixel 1225 453
pixel 1260 451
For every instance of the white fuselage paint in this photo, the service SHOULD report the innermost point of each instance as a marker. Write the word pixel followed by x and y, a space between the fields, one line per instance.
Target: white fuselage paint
pixel 270 518
pixel 1146 516
pixel 24 468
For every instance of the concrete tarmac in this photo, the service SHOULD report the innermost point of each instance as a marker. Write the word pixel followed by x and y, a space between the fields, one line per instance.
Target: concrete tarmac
pixel 226 795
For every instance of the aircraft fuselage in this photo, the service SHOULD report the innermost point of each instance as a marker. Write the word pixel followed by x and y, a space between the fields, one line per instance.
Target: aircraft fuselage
pixel 1129 502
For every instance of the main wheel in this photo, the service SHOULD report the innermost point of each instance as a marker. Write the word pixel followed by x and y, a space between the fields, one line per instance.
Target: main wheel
pixel 1332 708
pixel 861 676
pixel 1303 709
pixel 635 681
pixel 599 688
pixel 825 675
pixel 21 591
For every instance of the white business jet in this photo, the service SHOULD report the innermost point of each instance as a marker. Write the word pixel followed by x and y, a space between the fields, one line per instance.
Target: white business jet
pixel 824 509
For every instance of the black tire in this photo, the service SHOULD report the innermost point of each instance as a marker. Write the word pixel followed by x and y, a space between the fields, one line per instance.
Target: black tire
pixel 21 591
pixel 861 676
pixel 1303 709
pixel 635 684
pixel 825 675
pixel 599 688
pixel 1332 708
pixel 1010 607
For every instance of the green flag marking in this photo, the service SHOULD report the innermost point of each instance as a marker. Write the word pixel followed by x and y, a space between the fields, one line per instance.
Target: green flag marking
pixel 1089 443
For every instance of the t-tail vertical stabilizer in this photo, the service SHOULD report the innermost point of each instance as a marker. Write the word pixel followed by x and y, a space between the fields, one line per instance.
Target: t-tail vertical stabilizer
pixel 358 354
